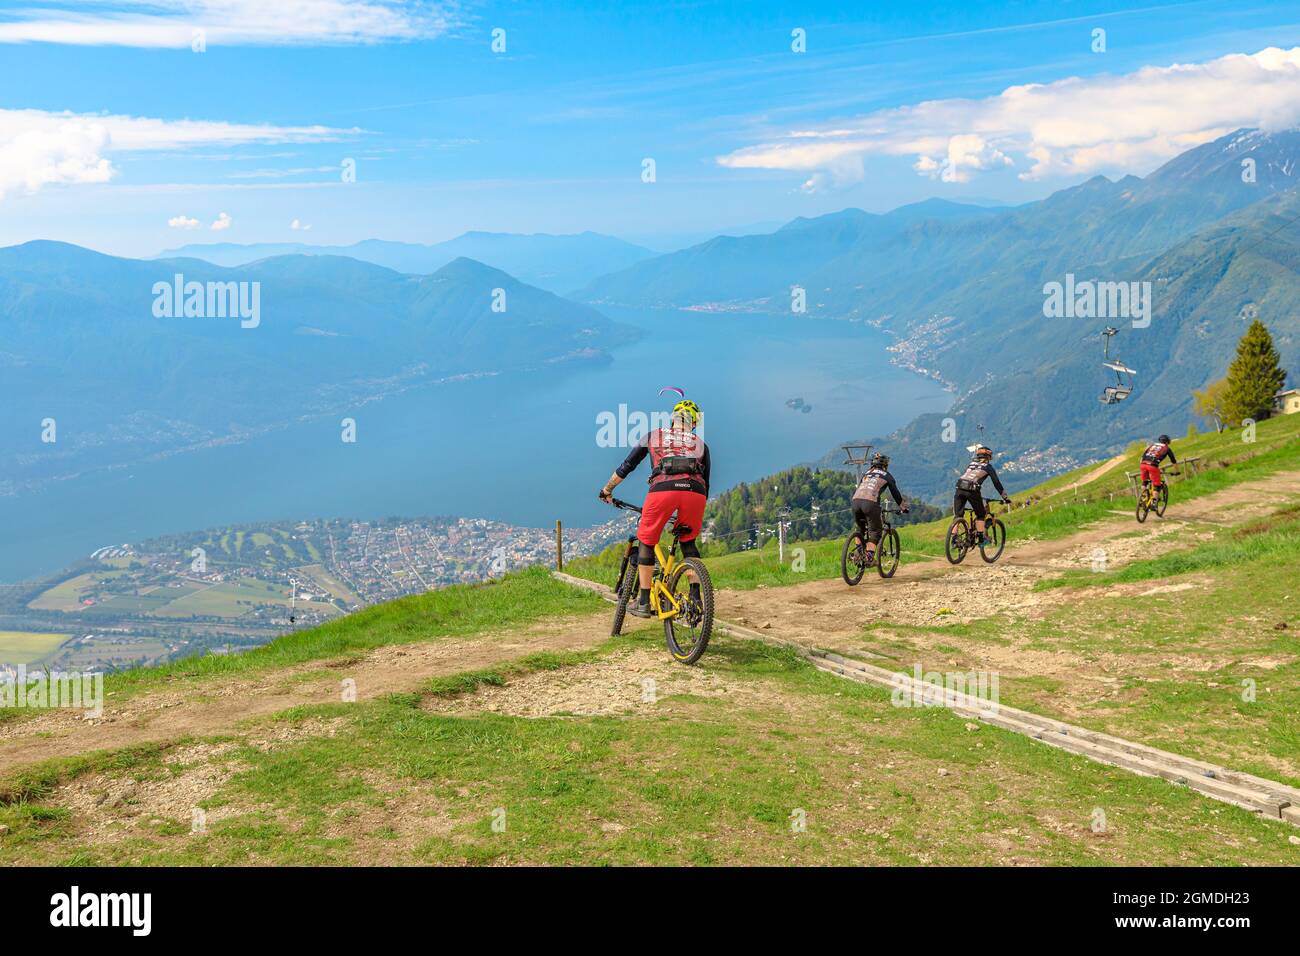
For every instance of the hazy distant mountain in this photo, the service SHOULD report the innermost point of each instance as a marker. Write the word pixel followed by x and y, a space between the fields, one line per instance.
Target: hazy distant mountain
pixel 81 344
pixel 664 242
pixel 758 270
pixel 554 263
pixel 859 265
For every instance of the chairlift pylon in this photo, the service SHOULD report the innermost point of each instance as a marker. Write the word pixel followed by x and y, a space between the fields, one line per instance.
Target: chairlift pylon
pixel 857 456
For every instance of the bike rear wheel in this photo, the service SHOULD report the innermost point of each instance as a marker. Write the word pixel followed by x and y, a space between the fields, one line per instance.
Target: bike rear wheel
pixel 957 543
pixel 887 554
pixel 687 632
pixel 1142 508
pixel 626 588
pixel 995 539
pixel 1162 502
pixel 852 561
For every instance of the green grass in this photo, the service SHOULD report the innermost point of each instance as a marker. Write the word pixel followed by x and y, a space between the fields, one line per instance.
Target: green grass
pixel 1273 543
pixel 695 780
pixel 467 682
pixel 36 781
pixel 1171 669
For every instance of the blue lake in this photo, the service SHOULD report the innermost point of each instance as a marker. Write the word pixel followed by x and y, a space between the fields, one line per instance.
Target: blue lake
pixel 521 449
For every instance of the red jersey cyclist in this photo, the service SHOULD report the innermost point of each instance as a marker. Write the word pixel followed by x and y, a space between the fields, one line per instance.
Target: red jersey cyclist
pixel 679 482
pixel 1154 454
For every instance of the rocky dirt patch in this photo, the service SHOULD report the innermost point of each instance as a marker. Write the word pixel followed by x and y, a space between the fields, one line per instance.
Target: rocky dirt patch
pixel 637 683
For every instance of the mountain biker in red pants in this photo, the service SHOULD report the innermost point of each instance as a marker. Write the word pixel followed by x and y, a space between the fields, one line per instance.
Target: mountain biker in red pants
pixel 679 481
pixel 1155 453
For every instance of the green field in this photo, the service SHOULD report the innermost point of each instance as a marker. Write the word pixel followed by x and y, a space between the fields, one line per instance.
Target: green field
pixel 28 647
pixel 67 595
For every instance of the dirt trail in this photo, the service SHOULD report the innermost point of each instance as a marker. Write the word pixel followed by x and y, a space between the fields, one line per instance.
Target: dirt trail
pixel 932 592
pixel 216 706
pixel 1097 472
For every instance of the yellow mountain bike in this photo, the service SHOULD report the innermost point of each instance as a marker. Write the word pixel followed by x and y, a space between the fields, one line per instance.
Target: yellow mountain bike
pixel 1150 498
pixel 688 623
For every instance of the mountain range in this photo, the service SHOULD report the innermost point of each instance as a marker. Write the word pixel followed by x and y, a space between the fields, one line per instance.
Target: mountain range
pixel 962 291
pixel 959 287
pixel 555 263
pixel 84 345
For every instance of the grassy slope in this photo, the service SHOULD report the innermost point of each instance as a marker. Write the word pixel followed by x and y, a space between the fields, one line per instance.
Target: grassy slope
pixel 695 779
pixel 720 787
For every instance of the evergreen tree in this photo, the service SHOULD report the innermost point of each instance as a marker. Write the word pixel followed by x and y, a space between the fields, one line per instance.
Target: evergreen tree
pixel 1254 376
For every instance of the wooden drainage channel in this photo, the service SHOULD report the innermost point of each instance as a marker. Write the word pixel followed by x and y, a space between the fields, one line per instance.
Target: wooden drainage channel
pixel 1266 797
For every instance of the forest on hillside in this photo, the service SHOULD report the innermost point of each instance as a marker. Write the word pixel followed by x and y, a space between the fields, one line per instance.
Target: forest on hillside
pixel 818 503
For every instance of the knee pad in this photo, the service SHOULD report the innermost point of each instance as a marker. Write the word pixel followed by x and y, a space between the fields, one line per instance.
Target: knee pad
pixel 689 550
pixel 645 554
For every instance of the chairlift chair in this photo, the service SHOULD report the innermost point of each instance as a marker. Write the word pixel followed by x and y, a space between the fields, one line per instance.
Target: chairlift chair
pixel 1123 387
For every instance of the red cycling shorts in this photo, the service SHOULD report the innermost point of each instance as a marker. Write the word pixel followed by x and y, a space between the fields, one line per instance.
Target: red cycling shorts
pixel 1151 473
pixel 659 507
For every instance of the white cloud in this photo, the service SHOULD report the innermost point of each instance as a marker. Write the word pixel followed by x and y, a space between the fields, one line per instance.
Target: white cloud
pixel 297 226
pixel 172 23
pixel 39 148
pixel 222 223
pixel 1080 125
pixel 183 222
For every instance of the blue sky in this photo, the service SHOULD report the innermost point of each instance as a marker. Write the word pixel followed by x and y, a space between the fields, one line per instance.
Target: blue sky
pixel 890 103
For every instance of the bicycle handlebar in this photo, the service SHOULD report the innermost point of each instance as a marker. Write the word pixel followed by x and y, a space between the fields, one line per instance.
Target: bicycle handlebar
pixel 625 505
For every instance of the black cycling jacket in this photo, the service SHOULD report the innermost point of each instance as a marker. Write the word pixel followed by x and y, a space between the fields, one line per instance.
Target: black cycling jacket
pixel 873 483
pixel 977 471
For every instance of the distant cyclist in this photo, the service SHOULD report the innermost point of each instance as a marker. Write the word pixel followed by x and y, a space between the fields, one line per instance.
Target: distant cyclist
pixel 866 502
pixel 1154 454
pixel 679 481
pixel 970 483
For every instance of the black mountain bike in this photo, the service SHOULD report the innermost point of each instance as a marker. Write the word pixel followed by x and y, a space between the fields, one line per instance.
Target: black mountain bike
pixel 688 623
pixel 853 559
pixel 962 536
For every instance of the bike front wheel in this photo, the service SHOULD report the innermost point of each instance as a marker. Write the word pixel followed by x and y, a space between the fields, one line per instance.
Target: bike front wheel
pixel 957 543
pixel 852 561
pixel 887 554
pixel 995 539
pixel 626 588
pixel 1162 502
pixel 687 632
